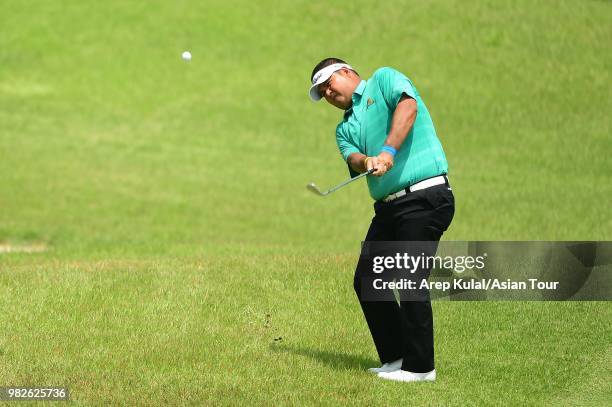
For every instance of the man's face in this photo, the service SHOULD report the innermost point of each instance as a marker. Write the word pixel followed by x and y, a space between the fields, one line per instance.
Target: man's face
pixel 338 89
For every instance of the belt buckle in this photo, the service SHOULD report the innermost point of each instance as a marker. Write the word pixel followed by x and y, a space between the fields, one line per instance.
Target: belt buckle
pixel 389 198
pixel 395 195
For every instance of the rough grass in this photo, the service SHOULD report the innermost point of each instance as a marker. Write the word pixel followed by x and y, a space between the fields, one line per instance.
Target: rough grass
pixel 214 331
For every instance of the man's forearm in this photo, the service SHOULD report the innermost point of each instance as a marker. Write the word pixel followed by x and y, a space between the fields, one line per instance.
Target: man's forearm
pixel 402 121
pixel 357 162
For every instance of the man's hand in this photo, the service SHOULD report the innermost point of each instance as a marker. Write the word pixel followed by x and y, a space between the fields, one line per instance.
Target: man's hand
pixel 360 163
pixel 386 159
pixel 380 164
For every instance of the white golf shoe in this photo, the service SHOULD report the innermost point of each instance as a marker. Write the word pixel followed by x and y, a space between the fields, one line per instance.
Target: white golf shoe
pixel 405 376
pixel 387 367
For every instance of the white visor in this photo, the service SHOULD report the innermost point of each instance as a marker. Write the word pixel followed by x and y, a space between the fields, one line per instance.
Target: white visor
pixel 321 76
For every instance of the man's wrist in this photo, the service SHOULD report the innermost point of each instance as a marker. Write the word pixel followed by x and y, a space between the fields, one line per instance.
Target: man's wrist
pixel 365 162
pixel 389 149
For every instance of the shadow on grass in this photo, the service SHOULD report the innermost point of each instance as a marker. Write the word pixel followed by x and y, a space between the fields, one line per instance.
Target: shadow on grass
pixel 336 360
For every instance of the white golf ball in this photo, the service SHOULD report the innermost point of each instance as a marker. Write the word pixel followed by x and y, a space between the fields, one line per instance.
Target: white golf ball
pixel 187 56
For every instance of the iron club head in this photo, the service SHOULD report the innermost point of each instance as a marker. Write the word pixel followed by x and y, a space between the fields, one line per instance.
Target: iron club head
pixel 312 187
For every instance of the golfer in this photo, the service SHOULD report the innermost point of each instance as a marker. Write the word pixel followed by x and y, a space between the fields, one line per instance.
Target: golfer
pixel 386 127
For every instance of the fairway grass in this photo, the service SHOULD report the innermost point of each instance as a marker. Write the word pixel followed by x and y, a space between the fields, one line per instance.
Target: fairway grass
pixel 179 257
pixel 210 331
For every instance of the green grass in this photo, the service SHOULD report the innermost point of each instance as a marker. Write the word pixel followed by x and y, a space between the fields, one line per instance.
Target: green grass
pixel 208 331
pixel 170 197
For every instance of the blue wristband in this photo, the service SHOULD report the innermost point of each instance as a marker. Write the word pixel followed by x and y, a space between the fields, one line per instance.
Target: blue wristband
pixel 390 150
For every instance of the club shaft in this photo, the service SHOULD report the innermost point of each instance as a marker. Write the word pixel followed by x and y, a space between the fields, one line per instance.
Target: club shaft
pixel 348 181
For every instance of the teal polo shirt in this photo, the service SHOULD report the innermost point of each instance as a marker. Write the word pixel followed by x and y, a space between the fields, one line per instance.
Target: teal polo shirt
pixel 367 123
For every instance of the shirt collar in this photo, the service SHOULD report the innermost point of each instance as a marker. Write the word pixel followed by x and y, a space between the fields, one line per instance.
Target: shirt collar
pixel 356 97
pixel 359 90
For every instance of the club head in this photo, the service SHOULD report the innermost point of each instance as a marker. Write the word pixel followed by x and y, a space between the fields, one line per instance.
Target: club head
pixel 312 187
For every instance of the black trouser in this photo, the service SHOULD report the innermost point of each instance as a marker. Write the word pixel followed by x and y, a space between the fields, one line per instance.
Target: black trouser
pixel 405 330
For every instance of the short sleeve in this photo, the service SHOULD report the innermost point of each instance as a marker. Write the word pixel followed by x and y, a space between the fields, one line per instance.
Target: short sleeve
pixel 393 84
pixel 344 145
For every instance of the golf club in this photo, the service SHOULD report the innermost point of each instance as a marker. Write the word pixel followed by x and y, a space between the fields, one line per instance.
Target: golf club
pixel 312 187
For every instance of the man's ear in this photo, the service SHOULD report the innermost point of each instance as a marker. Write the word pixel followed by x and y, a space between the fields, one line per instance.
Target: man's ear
pixel 349 73
pixel 345 71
